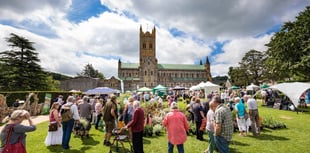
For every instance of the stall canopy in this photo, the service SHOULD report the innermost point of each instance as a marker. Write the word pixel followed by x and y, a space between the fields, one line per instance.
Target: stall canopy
pixel 144 89
pixel 100 91
pixel 252 87
pixel 292 90
pixel 160 90
pixel 210 87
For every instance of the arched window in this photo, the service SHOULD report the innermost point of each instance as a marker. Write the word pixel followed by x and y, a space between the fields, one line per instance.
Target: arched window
pixel 144 45
pixel 145 72
pixel 150 46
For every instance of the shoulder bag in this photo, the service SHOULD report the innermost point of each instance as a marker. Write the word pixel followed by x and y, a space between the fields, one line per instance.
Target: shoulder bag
pixel 13 148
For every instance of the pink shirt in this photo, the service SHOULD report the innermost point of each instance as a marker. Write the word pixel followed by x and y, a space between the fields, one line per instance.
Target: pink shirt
pixel 176 125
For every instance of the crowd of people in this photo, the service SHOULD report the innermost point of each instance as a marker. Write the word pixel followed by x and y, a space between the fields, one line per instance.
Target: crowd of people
pixel 213 116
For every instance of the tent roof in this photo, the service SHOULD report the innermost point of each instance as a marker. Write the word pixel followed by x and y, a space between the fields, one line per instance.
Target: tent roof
pixel 292 90
pixel 144 89
pixel 158 87
pixel 252 87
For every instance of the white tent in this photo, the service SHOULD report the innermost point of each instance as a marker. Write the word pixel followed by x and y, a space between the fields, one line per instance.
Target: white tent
pixel 252 87
pixel 292 90
pixel 201 85
pixel 209 87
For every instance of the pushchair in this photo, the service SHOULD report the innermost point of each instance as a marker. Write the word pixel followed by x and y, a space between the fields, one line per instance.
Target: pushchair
pixel 120 137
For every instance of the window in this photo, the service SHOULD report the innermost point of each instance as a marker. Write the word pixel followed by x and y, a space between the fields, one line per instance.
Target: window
pixel 151 72
pixel 144 45
pixel 150 46
pixel 144 72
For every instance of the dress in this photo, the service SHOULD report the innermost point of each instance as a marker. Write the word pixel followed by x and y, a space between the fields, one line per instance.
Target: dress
pixel 54 137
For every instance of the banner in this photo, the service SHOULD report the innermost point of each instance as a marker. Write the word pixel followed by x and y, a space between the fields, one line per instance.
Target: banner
pixel 47 103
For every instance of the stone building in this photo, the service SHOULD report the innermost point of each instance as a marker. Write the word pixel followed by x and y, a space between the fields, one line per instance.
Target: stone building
pixel 85 83
pixel 149 73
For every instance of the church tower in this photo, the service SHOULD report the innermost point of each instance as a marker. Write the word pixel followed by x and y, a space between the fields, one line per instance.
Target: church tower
pixel 208 69
pixel 148 68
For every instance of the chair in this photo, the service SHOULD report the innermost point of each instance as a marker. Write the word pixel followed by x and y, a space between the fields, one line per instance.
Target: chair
pixel 120 136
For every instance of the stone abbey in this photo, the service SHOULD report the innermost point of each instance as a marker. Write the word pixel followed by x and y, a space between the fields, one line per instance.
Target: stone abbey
pixel 149 73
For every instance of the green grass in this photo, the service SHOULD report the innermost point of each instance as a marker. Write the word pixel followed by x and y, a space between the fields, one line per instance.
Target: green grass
pixel 292 139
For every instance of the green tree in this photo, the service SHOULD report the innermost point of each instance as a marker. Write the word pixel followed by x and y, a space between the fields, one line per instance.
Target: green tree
pixel 253 64
pixel 289 49
pixel 20 69
pixel 90 71
pixel 238 76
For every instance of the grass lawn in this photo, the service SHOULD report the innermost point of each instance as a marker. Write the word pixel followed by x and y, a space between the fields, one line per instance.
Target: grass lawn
pixel 292 139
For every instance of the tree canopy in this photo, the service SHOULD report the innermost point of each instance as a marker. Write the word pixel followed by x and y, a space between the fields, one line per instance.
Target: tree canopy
pixel 20 69
pixel 90 71
pixel 289 49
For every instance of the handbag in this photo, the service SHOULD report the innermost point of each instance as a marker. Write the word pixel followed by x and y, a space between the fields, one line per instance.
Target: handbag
pixel 52 127
pixel 13 148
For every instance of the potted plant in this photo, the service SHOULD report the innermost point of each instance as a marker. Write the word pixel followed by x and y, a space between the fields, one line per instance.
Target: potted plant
pixel 157 129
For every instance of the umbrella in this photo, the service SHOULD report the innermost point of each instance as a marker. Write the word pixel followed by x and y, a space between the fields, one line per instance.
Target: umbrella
pixel 252 87
pixel 178 88
pixel 100 91
pixel 234 87
pixel 144 89
pixel 264 86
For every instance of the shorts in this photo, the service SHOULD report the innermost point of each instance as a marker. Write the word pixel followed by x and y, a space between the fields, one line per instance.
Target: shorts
pixel 109 126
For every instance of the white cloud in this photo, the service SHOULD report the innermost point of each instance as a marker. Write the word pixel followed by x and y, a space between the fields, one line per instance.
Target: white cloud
pixel 235 50
pixel 104 38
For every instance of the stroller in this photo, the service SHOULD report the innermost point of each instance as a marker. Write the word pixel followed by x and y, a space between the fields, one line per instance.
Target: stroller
pixel 120 136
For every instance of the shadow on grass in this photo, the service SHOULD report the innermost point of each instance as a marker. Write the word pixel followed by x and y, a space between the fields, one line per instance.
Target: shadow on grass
pixel 269 137
pixel 59 149
pixel 145 141
pixel 120 149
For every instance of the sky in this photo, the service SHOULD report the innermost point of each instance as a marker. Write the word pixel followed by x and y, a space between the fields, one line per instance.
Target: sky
pixel 68 34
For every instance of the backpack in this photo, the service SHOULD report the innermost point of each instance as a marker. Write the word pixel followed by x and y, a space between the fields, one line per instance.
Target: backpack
pixel 66 113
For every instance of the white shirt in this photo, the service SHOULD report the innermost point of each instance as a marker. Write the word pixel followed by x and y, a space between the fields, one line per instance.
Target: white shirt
pixel 252 104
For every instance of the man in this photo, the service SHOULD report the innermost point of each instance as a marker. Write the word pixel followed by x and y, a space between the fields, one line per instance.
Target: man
pixel 67 126
pixel 224 128
pixel 210 127
pixel 137 127
pixel 198 117
pixel 85 112
pixel 253 113
pixel 177 125
pixel 109 116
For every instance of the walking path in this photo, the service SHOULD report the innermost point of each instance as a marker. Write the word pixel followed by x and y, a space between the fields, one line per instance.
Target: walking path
pixel 35 120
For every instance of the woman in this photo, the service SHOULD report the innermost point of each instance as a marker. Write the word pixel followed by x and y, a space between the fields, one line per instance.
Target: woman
pixel 54 137
pixel 19 131
pixel 136 125
pixel 128 113
pixel 176 125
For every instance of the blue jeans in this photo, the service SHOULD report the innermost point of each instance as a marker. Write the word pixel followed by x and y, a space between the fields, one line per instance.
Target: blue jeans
pixel 179 146
pixel 221 144
pixel 67 130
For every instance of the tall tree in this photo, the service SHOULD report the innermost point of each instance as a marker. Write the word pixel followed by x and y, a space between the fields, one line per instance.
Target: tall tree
pixel 20 68
pixel 253 63
pixel 90 71
pixel 289 49
pixel 238 76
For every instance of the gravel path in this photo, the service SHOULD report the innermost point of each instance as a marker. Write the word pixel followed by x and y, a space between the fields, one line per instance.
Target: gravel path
pixel 35 120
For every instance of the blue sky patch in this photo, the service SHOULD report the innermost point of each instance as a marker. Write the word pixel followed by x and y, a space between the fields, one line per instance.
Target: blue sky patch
pixel 82 10
pixel 273 29
pixel 176 32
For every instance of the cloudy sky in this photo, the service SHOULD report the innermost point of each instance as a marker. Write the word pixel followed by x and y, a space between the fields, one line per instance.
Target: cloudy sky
pixel 69 34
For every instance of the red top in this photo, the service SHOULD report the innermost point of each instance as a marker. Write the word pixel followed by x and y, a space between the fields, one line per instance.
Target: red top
pixel 137 122
pixel 176 125
pixel 52 117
